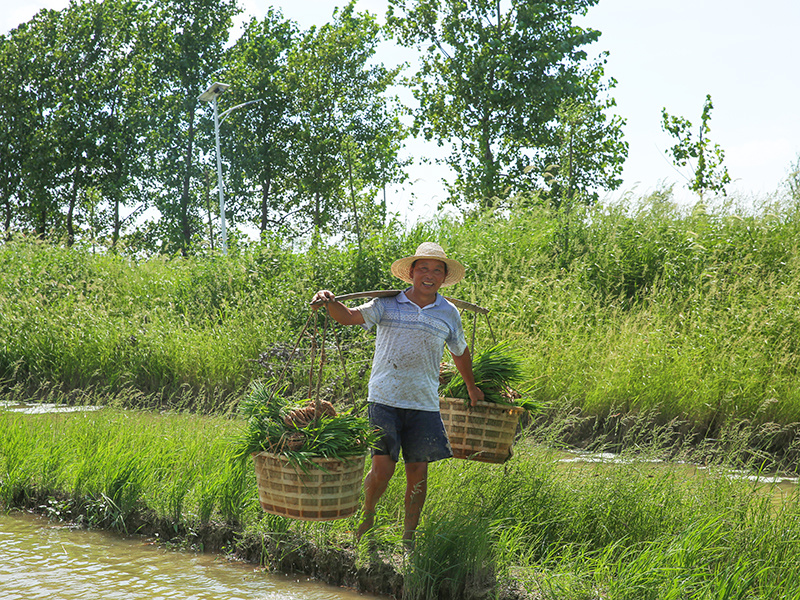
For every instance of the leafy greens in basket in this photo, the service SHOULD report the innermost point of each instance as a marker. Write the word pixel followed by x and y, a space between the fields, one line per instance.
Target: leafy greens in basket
pixel 298 430
pixel 496 370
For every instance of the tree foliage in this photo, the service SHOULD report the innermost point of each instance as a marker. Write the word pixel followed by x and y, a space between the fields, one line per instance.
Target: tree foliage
pixel 258 134
pixel 347 136
pixel 104 140
pixel 491 83
pixel 189 38
pixel 706 159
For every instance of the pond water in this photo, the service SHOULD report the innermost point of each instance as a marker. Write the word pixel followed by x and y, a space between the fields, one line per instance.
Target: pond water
pixel 39 559
pixel 36 408
pixel 780 487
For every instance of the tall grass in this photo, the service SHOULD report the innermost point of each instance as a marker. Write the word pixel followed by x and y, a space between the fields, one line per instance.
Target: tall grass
pixel 626 529
pixel 119 469
pixel 639 306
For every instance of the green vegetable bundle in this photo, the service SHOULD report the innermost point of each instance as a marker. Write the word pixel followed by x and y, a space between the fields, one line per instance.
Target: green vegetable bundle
pixel 297 430
pixel 496 370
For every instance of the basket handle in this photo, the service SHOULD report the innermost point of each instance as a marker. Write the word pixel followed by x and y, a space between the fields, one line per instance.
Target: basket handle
pixel 316 396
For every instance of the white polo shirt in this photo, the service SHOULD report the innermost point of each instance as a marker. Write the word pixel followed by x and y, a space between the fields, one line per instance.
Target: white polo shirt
pixel 408 349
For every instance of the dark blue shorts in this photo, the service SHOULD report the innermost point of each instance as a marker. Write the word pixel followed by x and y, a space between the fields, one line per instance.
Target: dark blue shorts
pixel 419 433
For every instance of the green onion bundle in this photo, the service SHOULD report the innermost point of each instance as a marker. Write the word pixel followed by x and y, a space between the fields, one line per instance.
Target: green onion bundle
pixel 496 370
pixel 268 429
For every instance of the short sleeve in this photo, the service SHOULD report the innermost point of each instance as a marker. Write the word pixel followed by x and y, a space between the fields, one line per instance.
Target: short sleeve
pixel 457 342
pixel 372 312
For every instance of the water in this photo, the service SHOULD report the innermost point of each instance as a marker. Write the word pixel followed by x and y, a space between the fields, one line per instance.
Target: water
pixel 780 487
pixel 39 559
pixel 36 408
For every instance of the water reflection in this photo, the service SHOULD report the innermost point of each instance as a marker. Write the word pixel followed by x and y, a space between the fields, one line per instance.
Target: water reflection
pixel 43 560
pixel 780 486
pixel 37 408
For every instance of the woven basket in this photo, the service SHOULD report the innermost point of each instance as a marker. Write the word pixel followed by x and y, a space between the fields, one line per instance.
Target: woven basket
pixel 326 491
pixel 484 432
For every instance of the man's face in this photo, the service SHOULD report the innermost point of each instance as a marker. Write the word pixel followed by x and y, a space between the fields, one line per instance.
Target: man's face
pixel 428 274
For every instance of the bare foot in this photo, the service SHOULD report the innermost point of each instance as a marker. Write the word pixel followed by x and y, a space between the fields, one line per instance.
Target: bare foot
pixel 366 525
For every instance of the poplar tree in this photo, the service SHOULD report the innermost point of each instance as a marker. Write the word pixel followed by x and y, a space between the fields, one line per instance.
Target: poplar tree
pixel 346 133
pixel 491 82
pixel 709 174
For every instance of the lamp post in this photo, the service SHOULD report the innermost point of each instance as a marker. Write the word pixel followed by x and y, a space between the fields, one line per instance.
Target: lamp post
pixel 211 95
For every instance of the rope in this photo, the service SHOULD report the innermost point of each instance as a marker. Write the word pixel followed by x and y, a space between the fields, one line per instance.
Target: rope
pixel 321 363
pixel 291 356
pixel 344 367
pixel 474 327
pixel 494 339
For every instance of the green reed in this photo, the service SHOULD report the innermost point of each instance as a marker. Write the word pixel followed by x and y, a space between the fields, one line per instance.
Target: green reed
pixel 118 469
pixel 631 528
pixel 635 306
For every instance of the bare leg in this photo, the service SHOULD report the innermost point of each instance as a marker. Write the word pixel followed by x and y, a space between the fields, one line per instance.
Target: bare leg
pixel 375 484
pixel 416 491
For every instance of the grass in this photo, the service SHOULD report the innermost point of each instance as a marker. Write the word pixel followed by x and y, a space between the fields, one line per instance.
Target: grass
pixel 645 327
pixel 677 312
pixel 116 468
pixel 631 528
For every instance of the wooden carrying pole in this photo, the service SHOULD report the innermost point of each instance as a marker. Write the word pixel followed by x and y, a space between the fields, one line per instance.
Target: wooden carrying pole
pixel 462 304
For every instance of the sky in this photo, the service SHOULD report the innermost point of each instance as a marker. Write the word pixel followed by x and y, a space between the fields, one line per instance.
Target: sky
pixel 663 54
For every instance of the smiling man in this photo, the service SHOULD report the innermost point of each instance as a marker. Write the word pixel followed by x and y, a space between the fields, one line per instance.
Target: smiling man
pixel 412 331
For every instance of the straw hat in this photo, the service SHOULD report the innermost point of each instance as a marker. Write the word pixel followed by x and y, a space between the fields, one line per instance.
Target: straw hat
pixel 402 266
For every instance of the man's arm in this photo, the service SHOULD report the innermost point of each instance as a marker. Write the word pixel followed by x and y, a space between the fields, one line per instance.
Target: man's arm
pixel 464 365
pixel 337 310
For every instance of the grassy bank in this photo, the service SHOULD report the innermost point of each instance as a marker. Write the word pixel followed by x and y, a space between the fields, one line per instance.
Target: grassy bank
pixel 640 307
pixel 536 527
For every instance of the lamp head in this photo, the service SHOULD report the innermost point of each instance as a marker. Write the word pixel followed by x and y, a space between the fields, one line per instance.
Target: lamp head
pixel 213 91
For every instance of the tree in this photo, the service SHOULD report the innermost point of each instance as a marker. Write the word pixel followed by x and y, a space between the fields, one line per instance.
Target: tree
pixel 122 85
pixel 709 174
pixel 78 81
pixel 346 136
pixel 188 38
pixel 30 147
pixel 17 110
pixel 259 133
pixel 73 108
pixel 491 83
pixel 589 155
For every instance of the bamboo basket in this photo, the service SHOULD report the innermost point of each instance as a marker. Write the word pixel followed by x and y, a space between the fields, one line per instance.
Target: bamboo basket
pixel 484 432
pixel 326 491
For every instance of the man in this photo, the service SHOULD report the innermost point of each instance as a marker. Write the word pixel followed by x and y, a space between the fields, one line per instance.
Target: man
pixel 412 330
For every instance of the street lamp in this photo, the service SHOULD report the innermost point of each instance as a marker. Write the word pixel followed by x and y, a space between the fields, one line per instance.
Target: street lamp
pixel 211 95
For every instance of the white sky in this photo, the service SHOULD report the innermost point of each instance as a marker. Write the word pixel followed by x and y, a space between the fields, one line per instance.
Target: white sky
pixel 664 54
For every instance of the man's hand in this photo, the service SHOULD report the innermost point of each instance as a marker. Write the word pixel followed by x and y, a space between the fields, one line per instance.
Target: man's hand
pixel 337 310
pixel 475 395
pixel 322 297
pixel 464 365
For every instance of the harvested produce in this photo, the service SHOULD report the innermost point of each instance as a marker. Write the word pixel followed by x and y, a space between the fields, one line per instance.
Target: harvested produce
pixel 301 431
pixel 496 370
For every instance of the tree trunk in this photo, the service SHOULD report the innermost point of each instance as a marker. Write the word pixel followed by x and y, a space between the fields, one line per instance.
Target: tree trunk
pixel 117 224
pixel 208 207
pixel 488 190
pixel 73 196
pixel 41 225
pixel 265 189
pixel 353 200
pixel 7 218
pixel 186 228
